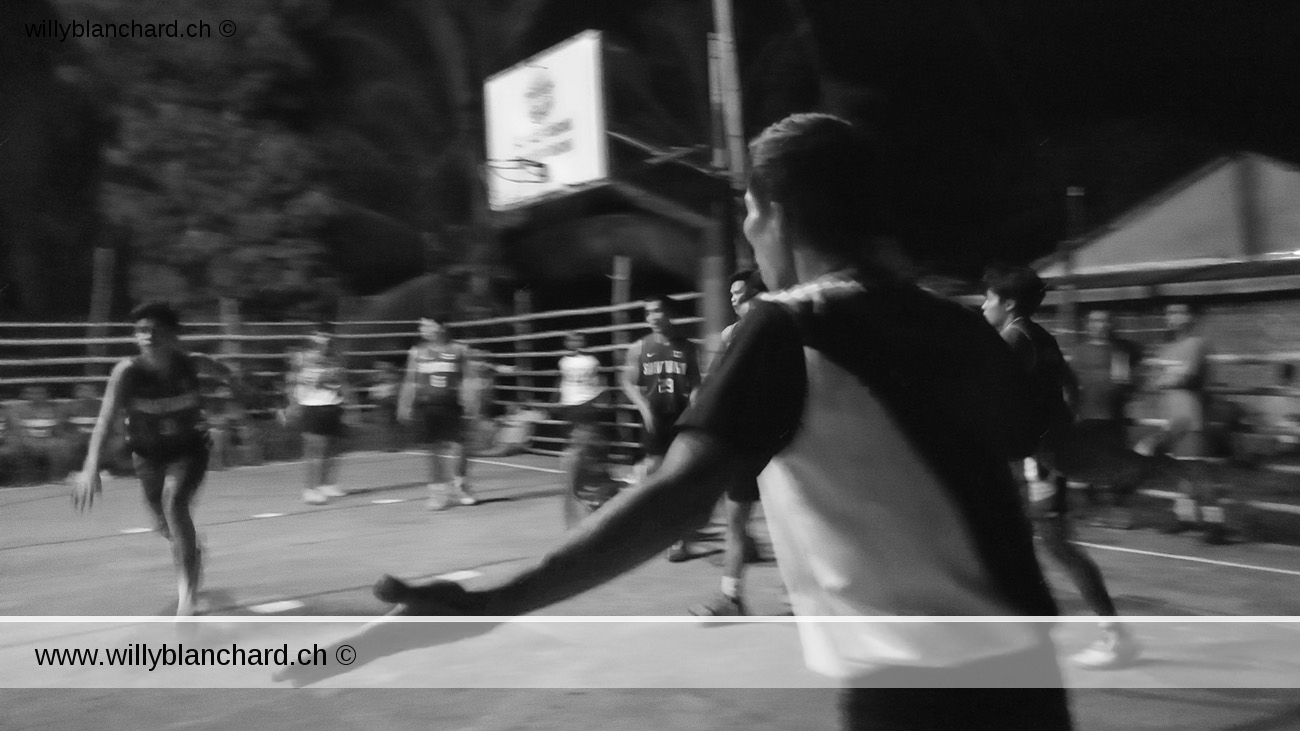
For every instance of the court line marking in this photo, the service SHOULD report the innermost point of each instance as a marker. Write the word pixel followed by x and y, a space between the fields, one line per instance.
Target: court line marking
pixel 387 501
pixel 268 515
pixel 461 575
pixel 529 468
pixel 129 531
pixel 1193 559
pixel 286 605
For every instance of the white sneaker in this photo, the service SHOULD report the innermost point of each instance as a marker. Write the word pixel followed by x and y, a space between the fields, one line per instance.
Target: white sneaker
pixel 187 599
pixel 332 491
pixel 439 497
pixel 1116 649
pixel 312 496
pixel 466 494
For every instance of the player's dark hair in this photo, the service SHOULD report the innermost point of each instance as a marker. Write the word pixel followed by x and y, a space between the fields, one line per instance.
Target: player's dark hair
pixel 162 313
pixel 825 174
pixel 753 280
pixel 1021 284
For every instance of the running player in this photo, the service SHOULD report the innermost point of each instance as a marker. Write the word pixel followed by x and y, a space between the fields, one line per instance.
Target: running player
pixel 435 373
pixel 45 434
pixel 167 432
pixel 743 493
pixel 318 390
pixel 1010 301
pixel 660 372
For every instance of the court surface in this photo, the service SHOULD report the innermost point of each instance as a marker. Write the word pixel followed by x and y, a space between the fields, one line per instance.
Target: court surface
pixel 269 554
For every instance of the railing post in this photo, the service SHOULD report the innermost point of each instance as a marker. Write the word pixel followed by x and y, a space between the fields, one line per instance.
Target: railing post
pixel 101 302
pixel 621 295
pixel 524 306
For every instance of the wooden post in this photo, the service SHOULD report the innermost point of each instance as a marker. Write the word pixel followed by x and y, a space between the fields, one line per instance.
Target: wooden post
pixel 621 295
pixel 101 303
pixel 524 306
pixel 1069 312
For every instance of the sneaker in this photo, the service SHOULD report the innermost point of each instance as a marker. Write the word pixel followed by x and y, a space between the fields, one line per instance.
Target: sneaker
pixel 466 494
pixel 312 496
pixel 438 498
pixel 1117 649
pixel 721 606
pixel 679 553
pixel 332 491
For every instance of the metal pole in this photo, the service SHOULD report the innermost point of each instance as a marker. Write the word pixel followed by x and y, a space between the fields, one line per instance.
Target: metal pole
pixel 1069 317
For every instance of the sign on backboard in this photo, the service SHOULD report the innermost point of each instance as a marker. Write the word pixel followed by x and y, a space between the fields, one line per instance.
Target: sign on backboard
pixel 546 123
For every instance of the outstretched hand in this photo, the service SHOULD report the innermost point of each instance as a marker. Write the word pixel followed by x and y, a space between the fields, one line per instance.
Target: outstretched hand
pixel 85 486
pixel 438 598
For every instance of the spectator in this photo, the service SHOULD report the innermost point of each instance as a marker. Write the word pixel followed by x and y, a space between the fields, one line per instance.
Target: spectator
pixel 45 434
pixel 1107 367
pixel 1280 412
pixel 582 388
pixel 1183 380
pixel 382 394
pixel 318 390
pixel 588 482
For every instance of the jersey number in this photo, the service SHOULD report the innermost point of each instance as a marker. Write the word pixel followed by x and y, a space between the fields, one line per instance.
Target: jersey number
pixel 667 385
pixel 437 381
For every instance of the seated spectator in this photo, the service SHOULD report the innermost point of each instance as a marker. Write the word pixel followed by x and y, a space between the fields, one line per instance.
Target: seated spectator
pixel 44 435
pixel 82 413
pixel 514 431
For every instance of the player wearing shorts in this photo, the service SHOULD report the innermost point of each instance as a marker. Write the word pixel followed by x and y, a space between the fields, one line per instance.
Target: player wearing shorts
pixel 167 433
pixel 742 493
pixel 582 388
pixel 1011 299
pixel 432 390
pixel 660 372
pixel 317 392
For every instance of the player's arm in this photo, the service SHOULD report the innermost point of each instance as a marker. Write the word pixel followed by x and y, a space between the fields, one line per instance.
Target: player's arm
pixel 629 379
pixel 223 371
pixel 406 394
pixel 87 484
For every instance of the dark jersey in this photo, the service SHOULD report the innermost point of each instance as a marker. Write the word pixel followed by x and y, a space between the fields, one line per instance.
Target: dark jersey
pixel 668 370
pixel 164 415
pixel 1107 375
pixel 439 373
pixel 1046 372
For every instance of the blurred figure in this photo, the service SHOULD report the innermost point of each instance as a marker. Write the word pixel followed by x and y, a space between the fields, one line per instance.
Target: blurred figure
pixel 588 482
pixel 83 412
pixel 1107 367
pixel 11 452
pixel 514 431
pixel 317 392
pixel 479 398
pixel 1183 380
pixel 229 430
pixel 582 388
pixel 740 498
pixel 168 433
pixel 45 435
pixel 433 389
pixel 1011 299
pixel 383 396
pixel 660 372
pixel 1280 415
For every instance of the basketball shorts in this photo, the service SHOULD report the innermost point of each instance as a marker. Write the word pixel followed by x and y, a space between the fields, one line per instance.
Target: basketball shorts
pixel 325 421
pixel 443 423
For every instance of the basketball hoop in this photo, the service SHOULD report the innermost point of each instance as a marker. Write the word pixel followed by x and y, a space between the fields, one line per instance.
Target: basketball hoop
pixel 519 170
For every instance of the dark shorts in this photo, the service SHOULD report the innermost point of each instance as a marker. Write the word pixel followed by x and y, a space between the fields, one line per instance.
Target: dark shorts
pixel 188 467
pixel 443 423
pixel 581 414
pixel 325 421
pixel 655 441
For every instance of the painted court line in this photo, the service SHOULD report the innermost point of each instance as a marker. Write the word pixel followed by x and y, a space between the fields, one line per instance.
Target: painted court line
pixel 387 501
pixel 530 468
pixel 1193 559
pixel 136 530
pixel 268 515
pixel 461 575
pixel 287 605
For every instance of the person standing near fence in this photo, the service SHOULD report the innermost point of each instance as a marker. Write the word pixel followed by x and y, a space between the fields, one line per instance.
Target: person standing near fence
pixel 167 432
pixel 1183 382
pixel 436 370
pixel 318 390
pixel 46 436
pixel 582 388
pixel 743 493
pixel 1011 299
pixel 660 372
